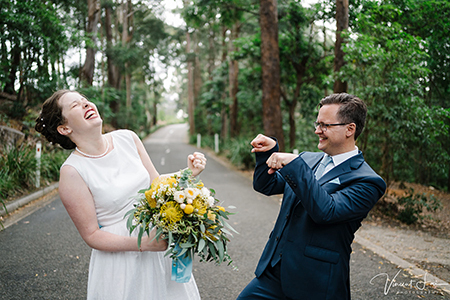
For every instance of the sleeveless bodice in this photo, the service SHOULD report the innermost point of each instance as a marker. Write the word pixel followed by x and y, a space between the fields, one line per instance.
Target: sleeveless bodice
pixel 114 178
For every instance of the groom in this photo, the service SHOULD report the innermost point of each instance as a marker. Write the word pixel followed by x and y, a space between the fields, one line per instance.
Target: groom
pixel 326 196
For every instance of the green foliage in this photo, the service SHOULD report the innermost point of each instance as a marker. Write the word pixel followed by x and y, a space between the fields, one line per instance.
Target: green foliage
pixel 18 168
pixel 387 68
pixel 32 39
pixel 238 151
pixel 51 161
pixel 412 206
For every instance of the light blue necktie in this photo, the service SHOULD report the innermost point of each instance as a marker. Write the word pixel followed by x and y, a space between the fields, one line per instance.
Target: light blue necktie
pixel 323 164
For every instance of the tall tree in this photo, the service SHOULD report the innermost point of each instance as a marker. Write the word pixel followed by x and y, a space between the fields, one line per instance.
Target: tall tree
pixel 87 72
pixel 190 83
pixel 341 25
pixel 302 61
pixel 233 81
pixel 127 35
pixel 32 40
pixel 113 69
pixel 270 66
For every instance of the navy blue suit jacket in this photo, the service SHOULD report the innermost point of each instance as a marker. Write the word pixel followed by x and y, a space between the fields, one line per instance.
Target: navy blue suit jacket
pixel 315 228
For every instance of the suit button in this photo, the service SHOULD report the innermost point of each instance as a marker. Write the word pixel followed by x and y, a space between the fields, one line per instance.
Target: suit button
pixel 277 238
pixel 287 216
pixel 281 254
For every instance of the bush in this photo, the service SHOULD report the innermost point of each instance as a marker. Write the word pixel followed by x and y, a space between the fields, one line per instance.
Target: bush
pixel 239 153
pixel 412 206
pixel 18 168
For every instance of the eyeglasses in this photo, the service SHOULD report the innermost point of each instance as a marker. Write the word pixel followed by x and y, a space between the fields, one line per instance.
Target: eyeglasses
pixel 324 127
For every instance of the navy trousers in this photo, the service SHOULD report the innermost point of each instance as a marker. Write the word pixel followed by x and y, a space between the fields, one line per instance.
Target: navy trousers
pixel 266 287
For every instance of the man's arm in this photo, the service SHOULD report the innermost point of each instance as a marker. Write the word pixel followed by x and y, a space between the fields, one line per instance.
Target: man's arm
pixel 350 201
pixel 263 182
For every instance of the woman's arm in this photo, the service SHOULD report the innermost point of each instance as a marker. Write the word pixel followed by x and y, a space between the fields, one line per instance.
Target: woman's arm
pixel 145 158
pixel 79 204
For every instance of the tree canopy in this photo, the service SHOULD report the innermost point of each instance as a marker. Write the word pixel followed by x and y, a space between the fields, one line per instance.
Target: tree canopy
pixel 228 60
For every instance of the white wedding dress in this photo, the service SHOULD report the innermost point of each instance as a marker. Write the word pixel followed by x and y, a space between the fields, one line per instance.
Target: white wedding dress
pixel 113 180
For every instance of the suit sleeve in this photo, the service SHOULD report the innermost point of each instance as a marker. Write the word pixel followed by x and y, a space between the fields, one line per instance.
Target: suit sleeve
pixel 351 201
pixel 263 182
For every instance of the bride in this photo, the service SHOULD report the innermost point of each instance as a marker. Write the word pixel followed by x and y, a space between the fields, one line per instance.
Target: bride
pixel 97 182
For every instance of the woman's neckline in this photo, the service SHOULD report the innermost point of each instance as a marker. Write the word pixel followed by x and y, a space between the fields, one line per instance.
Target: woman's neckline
pixel 110 148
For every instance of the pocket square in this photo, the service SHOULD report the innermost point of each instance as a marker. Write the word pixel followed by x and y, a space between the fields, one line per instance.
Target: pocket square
pixel 335 181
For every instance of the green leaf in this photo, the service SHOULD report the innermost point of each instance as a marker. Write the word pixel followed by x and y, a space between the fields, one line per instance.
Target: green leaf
pixel 229 226
pixel 186 245
pixel 183 251
pixel 220 249
pixel 226 231
pixel 212 249
pixel 170 241
pixel 201 245
pixel 141 232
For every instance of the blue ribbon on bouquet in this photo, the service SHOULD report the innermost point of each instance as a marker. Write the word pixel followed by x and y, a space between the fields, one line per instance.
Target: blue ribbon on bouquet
pixel 181 267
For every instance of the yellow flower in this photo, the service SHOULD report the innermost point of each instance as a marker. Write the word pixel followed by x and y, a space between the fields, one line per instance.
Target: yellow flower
pixel 220 208
pixel 189 209
pixel 211 216
pixel 156 182
pixel 171 212
pixel 150 200
pixel 200 205
pixel 171 181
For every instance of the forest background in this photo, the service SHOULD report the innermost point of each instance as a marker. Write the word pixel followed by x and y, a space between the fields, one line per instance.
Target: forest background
pixel 236 68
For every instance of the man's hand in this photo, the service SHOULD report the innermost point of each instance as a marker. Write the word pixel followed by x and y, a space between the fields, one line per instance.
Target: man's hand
pixel 278 160
pixel 262 143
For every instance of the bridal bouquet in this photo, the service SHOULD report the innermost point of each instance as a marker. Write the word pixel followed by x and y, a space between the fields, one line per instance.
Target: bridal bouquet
pixel 186 213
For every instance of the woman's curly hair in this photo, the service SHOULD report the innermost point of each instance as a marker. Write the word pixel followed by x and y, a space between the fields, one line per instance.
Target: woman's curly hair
pixel 50 118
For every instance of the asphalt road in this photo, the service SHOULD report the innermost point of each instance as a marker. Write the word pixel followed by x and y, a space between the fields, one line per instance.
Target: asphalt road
pixel 42 256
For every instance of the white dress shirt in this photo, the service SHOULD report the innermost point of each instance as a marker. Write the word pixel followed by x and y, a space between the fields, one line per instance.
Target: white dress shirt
pixel 339 158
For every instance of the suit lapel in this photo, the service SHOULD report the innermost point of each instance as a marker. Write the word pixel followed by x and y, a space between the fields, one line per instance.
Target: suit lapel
pixel 343 168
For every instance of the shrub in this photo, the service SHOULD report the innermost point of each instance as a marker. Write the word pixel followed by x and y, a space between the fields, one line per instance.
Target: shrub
pixel 413 204
pixel 239 152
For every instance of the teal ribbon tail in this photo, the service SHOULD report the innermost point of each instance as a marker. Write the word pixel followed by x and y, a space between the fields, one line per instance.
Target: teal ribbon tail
pixel 182 268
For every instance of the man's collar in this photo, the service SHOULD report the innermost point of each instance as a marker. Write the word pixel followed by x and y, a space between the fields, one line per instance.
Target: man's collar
pixel 340 158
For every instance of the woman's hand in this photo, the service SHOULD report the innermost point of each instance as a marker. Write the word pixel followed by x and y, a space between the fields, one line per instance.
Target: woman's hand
pixel 196 162
pixel 151 244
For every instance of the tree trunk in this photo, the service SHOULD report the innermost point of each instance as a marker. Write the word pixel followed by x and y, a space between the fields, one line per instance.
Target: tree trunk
pixel 113 71
pixel 325 90
pixel 87 73
pixel 224 111
pixel 233 82
pixel 270 64
pixel 125 40
pixel 197 70
pixel 341 25
pixel 16 57
pixel 190 83
pixel 211 52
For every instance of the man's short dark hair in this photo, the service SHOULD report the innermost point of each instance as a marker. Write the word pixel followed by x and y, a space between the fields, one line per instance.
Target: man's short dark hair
pixel 351 109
